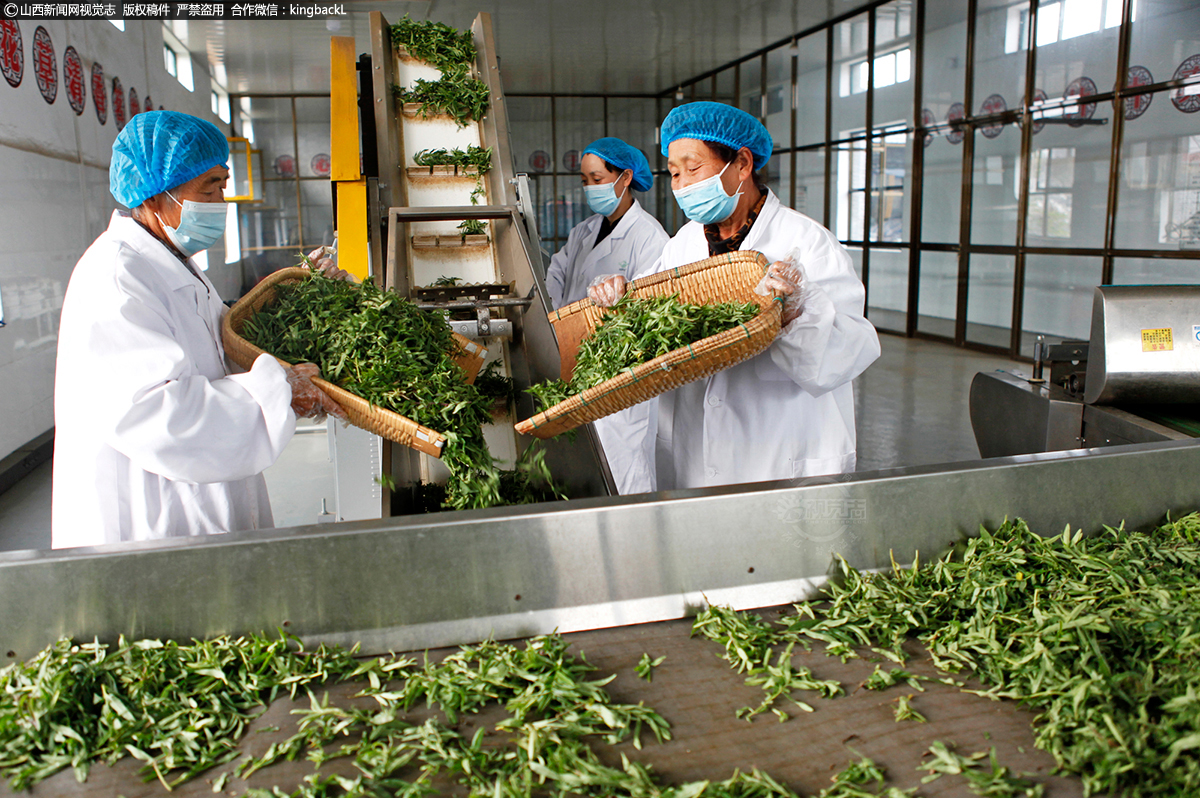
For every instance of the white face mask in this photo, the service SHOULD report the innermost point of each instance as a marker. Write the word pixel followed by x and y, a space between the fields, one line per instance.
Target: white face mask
pixel 602 198
pixel 201 224
pixel 706 201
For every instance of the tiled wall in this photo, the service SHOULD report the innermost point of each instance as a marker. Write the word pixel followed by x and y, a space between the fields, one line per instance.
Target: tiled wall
pixel 54 197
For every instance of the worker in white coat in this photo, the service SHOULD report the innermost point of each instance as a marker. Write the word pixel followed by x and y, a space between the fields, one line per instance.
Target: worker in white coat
pixel 789 411
pixel 621 238
pixel 155 435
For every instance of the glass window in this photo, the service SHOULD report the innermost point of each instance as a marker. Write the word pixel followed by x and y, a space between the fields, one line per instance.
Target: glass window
pixel 937 298
pixel 810 184
pixel 856 259
pixel 270 235
pixel 893 23
pixel 999 70
pixel 890 163
pixel 1156 271
pixel 887 288
pixel 810 89
pixel 849 180
pixel 778 176
pixel 578 122
pixel 1068 185
pixel 530 136
pixel 849 50
pixel 1158 205
pixel 989 299
pixel 945 55
pixel 750 93
pixel 633 121
pixel 779 97
pixel 1058 297
pixel 312 131
pixel 169 61
pixel 1074 48
pixel 941 189
pixel 1165 36
pixel 942 94
pixel 726 91
pixel 994 192
pixel 894 97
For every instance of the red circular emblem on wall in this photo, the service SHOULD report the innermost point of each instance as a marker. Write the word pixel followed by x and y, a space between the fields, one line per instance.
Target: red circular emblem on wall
pixel 928 120
pixel 147 105
pixel 1181 98
pixel 571 160
pixel 99 95
pixel 73 80
pixel 955 134
pixel 994 104
pixel 135 107
pixel 539 161
pixel 12 52
pixel 284 166
pixel 1136 106
pixel 320 164
pixel 1080 88
pixel 118 102
pixel 45 64
pixel 1039 97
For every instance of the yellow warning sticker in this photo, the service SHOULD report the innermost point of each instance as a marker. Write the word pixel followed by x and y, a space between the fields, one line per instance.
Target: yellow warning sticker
pixel 1157 340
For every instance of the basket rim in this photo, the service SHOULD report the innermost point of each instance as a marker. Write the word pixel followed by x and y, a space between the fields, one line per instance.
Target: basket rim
pixel 766 320
pixel 667 275
pixel 404 430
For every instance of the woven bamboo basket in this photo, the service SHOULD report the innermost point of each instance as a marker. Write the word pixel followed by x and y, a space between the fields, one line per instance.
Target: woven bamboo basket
pixel 724 278
pixel 361 413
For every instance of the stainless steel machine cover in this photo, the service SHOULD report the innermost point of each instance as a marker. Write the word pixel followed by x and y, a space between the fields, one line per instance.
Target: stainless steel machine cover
pixel 1145 345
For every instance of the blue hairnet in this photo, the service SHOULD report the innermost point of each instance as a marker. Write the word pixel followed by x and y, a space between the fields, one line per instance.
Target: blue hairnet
pixel 724 124
pixel 623 156
pixel 159 150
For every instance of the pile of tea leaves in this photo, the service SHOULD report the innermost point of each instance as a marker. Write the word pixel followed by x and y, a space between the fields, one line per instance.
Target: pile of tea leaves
pixel 637 330
pixel 1100 635
pixel 381 347
pixel 477 158
pixel 457 92
pixel 178 707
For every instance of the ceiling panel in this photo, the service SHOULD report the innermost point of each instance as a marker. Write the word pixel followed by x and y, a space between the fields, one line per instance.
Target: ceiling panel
pixel 560 46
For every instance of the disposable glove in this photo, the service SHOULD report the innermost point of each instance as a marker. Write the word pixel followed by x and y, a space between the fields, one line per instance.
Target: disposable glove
pixel 787 277
pixel 324 260
pixel 607 289
pixel 309 401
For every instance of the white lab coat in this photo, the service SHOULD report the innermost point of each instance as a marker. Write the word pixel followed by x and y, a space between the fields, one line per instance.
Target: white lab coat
pixel 632 247
pixel 154 437
pixel 788 412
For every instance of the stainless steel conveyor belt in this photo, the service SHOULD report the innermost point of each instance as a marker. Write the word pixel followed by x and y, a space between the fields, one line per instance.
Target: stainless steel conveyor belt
pixel 426 581
pixel 699 694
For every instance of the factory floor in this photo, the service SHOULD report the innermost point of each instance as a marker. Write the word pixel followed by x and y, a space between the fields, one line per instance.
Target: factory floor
pixel 910 405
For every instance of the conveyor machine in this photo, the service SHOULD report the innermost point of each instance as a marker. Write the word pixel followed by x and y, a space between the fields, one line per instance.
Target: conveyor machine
pixel 631 565
pixel 1137 380
pixel 398 223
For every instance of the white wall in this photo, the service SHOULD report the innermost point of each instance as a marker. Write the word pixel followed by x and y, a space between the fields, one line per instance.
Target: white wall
pixel 54 197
